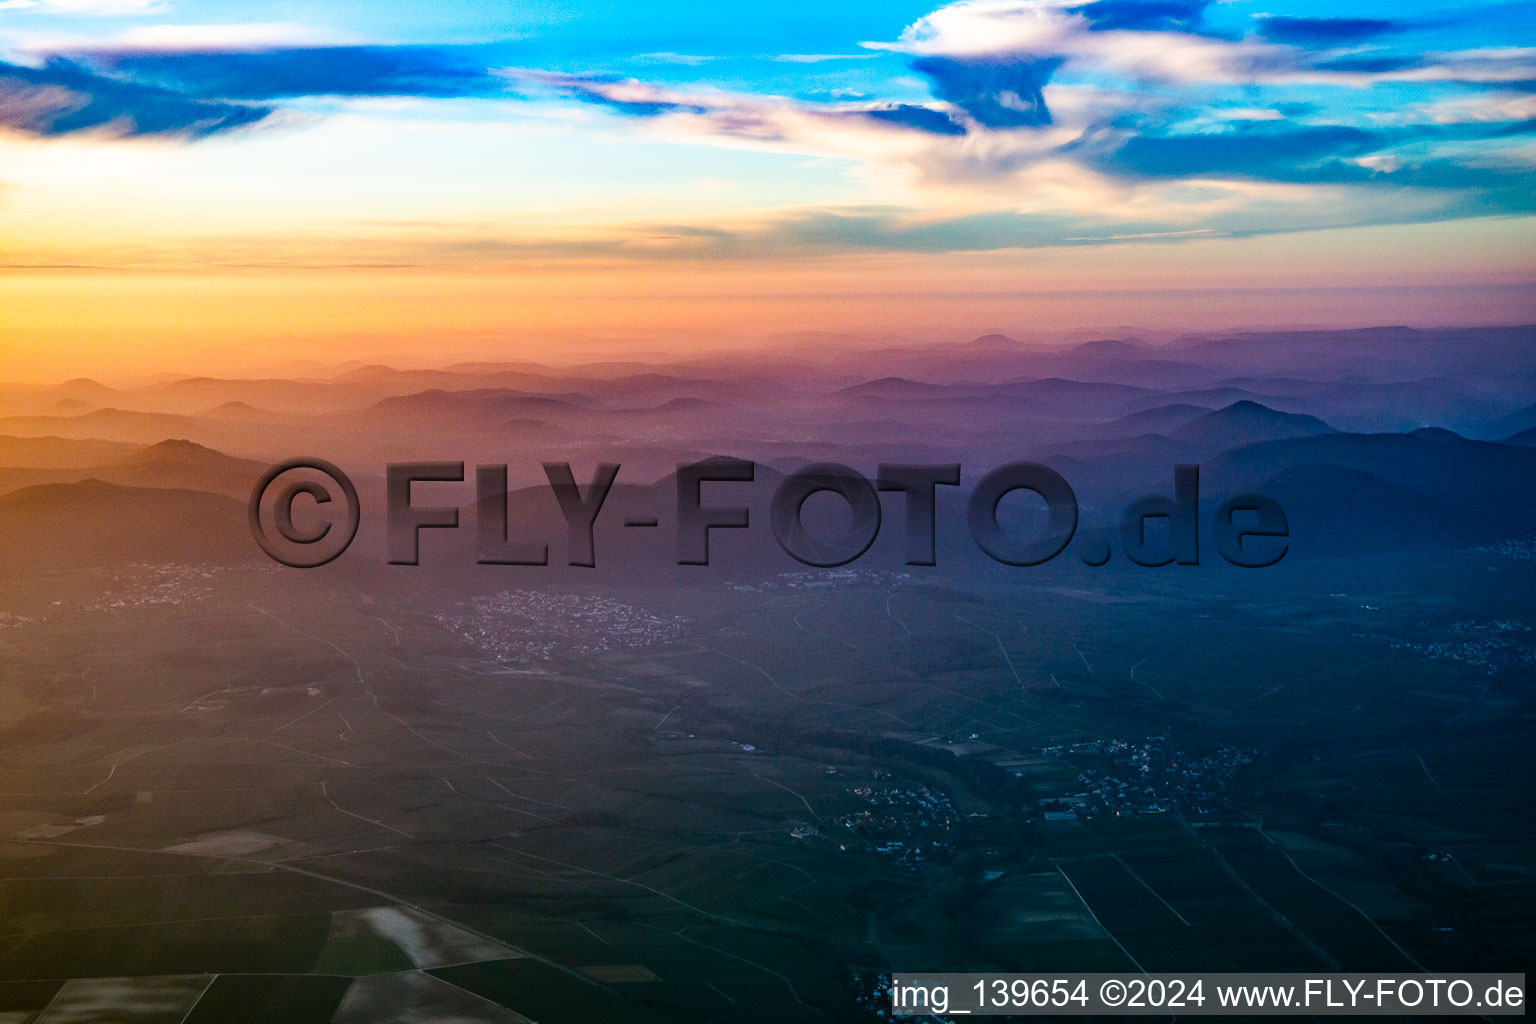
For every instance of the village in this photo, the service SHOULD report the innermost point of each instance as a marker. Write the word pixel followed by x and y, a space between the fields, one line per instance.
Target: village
pixel 534 625
pixel 1145 776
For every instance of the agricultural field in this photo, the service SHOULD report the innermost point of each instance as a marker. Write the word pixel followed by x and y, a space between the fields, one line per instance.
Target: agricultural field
pixel 281 801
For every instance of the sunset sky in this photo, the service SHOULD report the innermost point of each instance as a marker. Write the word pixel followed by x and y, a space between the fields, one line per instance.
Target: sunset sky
pixel 183 187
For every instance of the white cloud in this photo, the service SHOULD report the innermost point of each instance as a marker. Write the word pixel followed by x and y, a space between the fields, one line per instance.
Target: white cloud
pixel 1056 28
pixel 1247 114
pixel 245 36
pixel 30 47
pixel 203 37
pixel 1493 107
pixel 94 8
pixel 1490 65
pixel 820 58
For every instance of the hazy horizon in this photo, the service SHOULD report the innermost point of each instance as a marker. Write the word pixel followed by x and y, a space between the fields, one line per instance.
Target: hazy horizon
pixel 129 356
pixel 190 187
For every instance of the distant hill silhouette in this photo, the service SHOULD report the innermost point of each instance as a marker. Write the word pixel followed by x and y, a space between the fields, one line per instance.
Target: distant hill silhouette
pixel 60 452
pixel 1436 434
pixel 1517 422
pixel 1162 419
pixel 684 405
pixel 117 424
pixel 237 410
pixel 1112 348
pixel 486 406
pixel 1380 353
pixel 85 389
pixel 1492 487
pixel 1061 393
pixel 897 388
pixel 166 464
pixel 68 407
pixel 183 464
pixel 1334 511
pixel 71 525
pixel 1246 422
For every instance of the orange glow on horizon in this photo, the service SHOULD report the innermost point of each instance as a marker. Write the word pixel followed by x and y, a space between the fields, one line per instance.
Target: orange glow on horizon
pixel 58 323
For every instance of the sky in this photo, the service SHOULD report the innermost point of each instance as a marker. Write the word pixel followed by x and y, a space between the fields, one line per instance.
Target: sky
pixel 404 180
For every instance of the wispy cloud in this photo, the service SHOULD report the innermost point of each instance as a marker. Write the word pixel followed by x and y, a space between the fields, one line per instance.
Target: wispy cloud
pixel 63 98
pixel 166 37
pixel 86 8
pixel 1044 121
pixel 668 57
pixel 820 58
pixel 732 114
pixel 289 72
